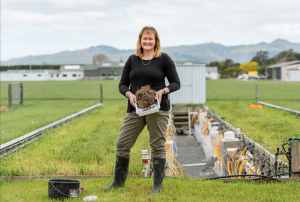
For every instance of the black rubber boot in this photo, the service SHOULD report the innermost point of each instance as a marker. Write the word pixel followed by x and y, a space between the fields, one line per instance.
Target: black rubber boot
pixel 159 165
pixel 121 171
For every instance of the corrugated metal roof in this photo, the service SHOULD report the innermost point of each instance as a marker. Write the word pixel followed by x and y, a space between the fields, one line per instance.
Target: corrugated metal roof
pixel 31 71
pixel 71 68
pixel 211 69
pixel 284 64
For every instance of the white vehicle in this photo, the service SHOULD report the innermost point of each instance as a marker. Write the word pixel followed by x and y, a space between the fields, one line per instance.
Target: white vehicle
pixel 247 77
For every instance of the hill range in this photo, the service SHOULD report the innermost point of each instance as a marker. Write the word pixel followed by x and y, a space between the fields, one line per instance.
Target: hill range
pixel 205 53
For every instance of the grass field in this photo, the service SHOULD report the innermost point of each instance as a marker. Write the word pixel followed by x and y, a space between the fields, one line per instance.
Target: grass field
pixel 282 94
pixel 186 189
pixel 56 100
pixel 86 146
pixel 53 101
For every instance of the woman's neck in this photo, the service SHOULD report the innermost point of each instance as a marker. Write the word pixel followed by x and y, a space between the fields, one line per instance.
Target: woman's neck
pixel 148 55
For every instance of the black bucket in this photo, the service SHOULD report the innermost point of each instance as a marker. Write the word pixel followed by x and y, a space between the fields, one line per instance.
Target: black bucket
pixel 63 188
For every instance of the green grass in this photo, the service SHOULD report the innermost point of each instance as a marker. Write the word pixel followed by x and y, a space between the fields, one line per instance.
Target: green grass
pixel 282 94
pixel 185 189
pixel 58 99
pixel 55 100
pixel 86 146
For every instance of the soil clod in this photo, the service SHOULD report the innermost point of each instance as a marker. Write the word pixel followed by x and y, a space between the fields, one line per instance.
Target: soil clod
pixel 145 97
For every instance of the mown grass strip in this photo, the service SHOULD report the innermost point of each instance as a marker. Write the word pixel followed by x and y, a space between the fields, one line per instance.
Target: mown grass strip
pixel 53 101
pixel 86 146
pixel 185 189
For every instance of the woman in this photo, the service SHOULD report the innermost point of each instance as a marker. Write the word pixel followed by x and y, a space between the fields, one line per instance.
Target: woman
pixel 148 66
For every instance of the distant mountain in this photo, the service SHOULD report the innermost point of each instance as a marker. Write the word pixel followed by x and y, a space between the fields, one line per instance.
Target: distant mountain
pixel 201 52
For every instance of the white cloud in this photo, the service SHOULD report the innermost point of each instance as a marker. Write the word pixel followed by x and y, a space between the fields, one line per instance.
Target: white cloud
pixel 40 27
pixel 287 29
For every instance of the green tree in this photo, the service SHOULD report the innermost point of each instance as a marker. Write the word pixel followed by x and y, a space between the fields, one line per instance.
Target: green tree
pixel 261 57
pixel 227 63
pixel 286 55
pixel 232 71
pixel 262 70
pixel 215 64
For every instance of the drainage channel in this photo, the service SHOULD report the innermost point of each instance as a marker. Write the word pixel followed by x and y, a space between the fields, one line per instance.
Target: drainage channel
pixel 18 143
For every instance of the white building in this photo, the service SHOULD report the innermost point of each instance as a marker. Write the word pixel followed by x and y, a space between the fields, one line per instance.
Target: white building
pixel 212 73
pixel 286 71
pixel 65 73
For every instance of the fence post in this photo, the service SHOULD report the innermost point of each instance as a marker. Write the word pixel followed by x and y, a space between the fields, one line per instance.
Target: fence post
pixel 21 88
pixel 101 94
pixel 256 94
pixel 9 95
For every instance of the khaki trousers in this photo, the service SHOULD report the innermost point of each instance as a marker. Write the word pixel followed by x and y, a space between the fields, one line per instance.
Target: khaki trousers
pixel 134 124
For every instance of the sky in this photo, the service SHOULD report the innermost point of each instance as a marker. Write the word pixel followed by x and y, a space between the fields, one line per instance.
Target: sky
pixel 37 27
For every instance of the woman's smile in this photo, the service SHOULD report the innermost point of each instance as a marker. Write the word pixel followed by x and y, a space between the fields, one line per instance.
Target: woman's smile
pixel 148 41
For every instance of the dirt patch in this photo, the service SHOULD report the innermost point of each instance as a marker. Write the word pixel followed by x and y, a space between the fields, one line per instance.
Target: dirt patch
pixel 145 97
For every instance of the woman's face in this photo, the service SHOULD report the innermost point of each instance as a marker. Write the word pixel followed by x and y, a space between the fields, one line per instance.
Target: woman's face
pixel 148 41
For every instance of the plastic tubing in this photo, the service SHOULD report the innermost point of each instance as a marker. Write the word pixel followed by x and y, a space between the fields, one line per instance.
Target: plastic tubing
pixel 238 162
pixel 181 171
pixel 258 171
pixel 173 165
pixel 167 172
pixel 249 169
pixel 172 171
pixel 261 177
pixel 203 126
pixel 242 166
pixel 203 142
pixel 279 174
pixel 232 168
pixel 172 129
pixel 252 171
pixel 228 167
pixel 219 147
pixel 214 142
pixel 197 120
pixel 206 129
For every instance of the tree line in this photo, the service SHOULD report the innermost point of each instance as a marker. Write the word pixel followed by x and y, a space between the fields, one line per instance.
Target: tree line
pixel 258 63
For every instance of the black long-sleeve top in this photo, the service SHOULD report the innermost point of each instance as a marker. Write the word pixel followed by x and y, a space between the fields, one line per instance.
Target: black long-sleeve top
pixel 136 75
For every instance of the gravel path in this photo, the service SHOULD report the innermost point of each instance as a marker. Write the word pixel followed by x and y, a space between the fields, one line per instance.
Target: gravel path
pixel 189 151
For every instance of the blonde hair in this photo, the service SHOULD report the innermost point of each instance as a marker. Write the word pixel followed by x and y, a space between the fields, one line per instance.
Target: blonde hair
pixel 157 47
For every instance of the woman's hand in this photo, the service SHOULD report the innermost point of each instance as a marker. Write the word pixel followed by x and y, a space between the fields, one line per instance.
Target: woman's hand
pixel 132 98
pixel 159 95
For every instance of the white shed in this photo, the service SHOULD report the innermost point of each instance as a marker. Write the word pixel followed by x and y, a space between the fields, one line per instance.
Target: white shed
pixel 26 75
pixel 65 73
pixel 294 74
pixel 212 73
pixel 286 71
pixel 193 84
